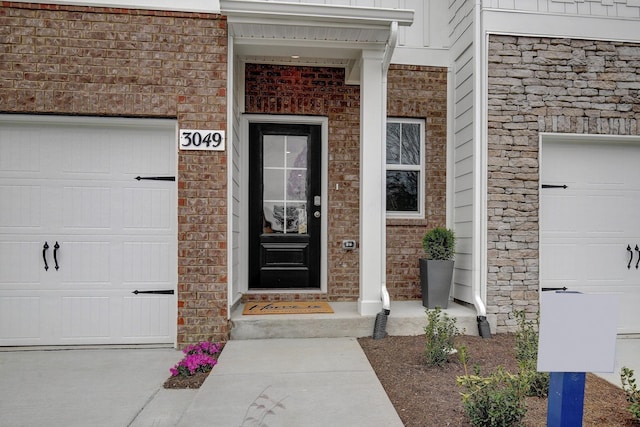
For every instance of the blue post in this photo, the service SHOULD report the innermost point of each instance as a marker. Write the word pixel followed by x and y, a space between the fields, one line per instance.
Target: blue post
pixel 566 399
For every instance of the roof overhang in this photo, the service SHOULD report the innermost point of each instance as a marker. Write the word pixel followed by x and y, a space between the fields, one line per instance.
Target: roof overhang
pixel 310 34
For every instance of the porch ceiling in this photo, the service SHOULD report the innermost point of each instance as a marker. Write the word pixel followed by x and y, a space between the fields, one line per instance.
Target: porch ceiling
pixel 309 34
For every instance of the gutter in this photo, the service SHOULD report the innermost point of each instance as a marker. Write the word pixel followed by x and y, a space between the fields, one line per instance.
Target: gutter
pixel 481 309
pixel 379 329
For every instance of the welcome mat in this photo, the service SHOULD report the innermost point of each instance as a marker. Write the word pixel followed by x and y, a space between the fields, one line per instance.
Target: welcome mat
pixel 287 307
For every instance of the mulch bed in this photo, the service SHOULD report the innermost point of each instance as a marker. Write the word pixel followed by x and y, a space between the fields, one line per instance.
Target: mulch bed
pixel 192 381
pixel 425 396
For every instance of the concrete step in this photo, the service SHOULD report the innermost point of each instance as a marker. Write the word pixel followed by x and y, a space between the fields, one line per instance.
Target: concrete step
pixel 405 318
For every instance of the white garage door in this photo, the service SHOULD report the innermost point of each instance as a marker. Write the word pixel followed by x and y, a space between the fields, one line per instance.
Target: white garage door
pixel 590 231
pixel 79 234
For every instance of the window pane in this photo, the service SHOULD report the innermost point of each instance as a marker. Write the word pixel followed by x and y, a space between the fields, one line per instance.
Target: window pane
pixel 393 143
pixel 297 151
pixel 273 181
pixel 402 191
pixel 410 144
pixel 273 151
pixel 296 184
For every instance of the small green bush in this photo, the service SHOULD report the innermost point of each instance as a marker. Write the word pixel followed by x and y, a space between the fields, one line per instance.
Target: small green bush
pixel 440 334
pixel 527 355
pixel 439 243
pixel 631 389
pixel 497 400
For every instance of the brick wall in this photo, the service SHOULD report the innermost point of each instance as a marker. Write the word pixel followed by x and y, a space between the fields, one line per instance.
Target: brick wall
pixel 117 62
pixel 418 92
pixel 321 91
pixel 543 85
pixel 414 92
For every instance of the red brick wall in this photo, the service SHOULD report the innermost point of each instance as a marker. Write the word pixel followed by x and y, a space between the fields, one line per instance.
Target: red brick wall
pixel 418 92
pixel 321 91
pixel 117 62
pixel 413 92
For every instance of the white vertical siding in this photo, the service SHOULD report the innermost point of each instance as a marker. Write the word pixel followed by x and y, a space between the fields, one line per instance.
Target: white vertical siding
pixel 462 46
pixel 236 181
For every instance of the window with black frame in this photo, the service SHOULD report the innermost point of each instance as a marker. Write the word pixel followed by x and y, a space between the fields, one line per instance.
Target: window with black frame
pixel 405 168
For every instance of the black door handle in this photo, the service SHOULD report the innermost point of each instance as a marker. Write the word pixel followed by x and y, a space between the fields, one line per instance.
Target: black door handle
pixel 55 254
pixel 638 262
pixel 44 255
pixel 630 256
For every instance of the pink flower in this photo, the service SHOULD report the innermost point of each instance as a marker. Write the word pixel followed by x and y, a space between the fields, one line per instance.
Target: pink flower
pixel 201 357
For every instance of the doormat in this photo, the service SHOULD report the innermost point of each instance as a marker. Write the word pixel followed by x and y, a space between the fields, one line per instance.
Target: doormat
pixel 287 307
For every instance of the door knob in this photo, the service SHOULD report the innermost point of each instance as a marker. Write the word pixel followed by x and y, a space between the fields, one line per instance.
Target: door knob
pixel 316 214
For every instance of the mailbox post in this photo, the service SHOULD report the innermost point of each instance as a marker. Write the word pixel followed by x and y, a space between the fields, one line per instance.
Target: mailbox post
pixel 577 335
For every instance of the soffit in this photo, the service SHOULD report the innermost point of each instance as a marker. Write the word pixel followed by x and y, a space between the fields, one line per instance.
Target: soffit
pixel 309 34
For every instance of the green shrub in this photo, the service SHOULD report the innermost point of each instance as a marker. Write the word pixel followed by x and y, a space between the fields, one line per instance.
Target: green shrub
pixel 527 355
pixel 631 389
pixel 440 334
pixel 497 400
pixel 439 243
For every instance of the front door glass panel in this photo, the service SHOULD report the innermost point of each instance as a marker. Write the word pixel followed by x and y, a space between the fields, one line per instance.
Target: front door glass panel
pixel 285 184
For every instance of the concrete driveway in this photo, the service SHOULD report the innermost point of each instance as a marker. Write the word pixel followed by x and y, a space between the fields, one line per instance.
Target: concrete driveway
pixel 98 387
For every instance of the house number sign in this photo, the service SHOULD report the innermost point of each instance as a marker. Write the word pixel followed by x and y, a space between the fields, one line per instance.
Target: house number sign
pixel 207 140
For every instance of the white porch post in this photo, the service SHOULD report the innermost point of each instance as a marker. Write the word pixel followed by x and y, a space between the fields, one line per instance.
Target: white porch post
pixel 372 176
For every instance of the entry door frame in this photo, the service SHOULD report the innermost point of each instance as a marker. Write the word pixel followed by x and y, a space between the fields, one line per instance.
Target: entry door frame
pixel 244 202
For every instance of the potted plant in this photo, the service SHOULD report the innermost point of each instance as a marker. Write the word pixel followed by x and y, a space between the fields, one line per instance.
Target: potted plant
pixel 436 270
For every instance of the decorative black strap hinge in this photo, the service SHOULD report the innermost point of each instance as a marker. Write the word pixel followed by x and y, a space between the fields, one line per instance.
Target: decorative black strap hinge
pixel 157 178
pixel 161 292
pixel 553 186
pixel 564 288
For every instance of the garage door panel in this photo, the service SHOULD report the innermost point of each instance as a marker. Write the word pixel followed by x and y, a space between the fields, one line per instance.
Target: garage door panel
pixel 86 152
pixel 560 261
pixel 140 312
pixel 24 211
pixel 19 153
pixel 146 157
pixel 603 201
pixel 604 262
pixel 561 219
pixel 87 207
pixel 147 263
pixel 145 209
pixel 85 263
pixel 86 317
pixel 21 263
pixel 19 318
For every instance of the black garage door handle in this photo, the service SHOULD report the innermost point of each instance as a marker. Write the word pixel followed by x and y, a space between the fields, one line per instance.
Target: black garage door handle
pixel 44 255
pixel 55 255
pixel 630 256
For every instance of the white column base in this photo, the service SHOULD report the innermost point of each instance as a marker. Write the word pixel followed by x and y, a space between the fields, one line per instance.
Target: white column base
pixel 369 307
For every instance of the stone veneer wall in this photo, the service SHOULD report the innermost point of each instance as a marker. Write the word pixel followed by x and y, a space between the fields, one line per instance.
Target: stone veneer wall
pixel 118 62
pixel 543 85
pixel 415 92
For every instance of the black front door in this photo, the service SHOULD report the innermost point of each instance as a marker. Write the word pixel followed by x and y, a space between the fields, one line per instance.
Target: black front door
pixel 284 205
